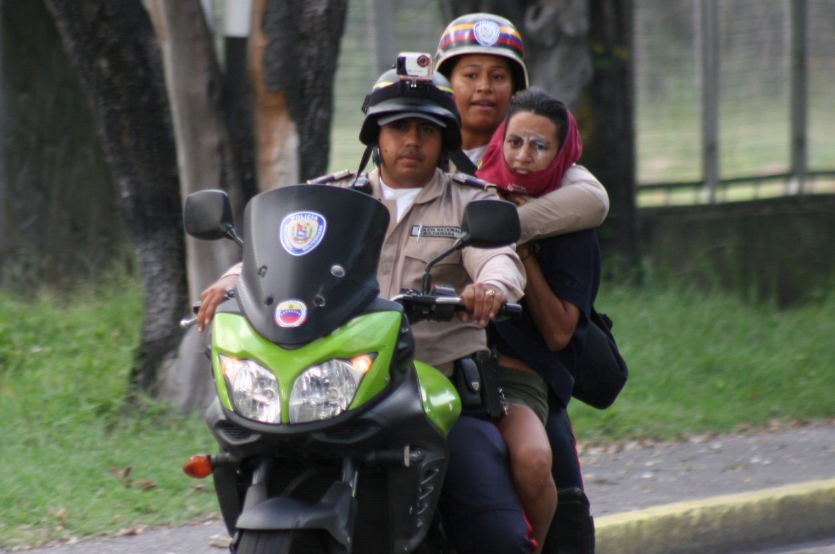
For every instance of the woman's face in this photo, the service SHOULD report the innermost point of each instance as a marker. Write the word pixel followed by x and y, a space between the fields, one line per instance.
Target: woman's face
pixel 483 85
pixel 530 142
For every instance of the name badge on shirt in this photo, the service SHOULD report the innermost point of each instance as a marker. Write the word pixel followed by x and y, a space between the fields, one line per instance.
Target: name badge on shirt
pixel 446 232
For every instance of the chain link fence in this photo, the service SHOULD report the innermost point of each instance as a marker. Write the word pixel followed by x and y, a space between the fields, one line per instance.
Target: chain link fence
pixel 734 99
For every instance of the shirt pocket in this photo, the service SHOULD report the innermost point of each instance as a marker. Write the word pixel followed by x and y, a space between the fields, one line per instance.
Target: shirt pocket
pixel 448 271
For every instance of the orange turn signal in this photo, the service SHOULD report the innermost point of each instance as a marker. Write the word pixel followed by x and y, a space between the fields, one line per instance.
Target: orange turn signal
pixel 198 466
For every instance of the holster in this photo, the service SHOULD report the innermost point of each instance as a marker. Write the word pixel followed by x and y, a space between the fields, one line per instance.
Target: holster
pixel 477 380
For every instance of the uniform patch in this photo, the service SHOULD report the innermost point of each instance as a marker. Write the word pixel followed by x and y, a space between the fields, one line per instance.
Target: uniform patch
pixel 486 32
pixel 422 231
pixel 301 232
pixel 291 313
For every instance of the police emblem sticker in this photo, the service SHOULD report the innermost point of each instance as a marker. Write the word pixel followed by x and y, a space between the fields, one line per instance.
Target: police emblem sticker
pixel 301 232
pixel 291 313
pixel 486 32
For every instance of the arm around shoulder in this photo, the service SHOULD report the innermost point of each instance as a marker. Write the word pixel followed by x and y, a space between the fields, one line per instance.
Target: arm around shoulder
pixel 580 203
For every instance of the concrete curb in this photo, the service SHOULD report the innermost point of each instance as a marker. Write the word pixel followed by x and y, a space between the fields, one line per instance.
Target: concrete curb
pixel 724 524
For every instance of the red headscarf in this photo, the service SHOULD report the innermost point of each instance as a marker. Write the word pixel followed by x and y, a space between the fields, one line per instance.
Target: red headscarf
pixel 494 169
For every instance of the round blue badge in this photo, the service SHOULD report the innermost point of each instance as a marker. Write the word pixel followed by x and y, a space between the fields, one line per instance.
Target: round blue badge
pixel 301 232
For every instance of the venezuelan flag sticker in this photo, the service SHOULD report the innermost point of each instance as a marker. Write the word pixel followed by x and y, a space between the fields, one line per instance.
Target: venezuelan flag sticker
pixel 291 313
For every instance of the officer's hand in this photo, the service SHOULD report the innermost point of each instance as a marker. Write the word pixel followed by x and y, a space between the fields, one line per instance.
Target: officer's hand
pixel 482 303
pixel 211 298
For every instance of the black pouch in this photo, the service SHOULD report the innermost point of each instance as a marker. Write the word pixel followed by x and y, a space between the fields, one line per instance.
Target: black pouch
pixel 602 371
pixel 477 380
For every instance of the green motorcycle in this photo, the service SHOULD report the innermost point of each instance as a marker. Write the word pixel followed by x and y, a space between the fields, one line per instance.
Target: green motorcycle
pixel 332 438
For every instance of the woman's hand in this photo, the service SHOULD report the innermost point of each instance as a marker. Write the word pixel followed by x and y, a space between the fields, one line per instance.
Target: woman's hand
pixel 482 303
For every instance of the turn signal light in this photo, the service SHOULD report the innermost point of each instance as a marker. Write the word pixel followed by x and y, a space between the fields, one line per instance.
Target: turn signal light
pixel 198 466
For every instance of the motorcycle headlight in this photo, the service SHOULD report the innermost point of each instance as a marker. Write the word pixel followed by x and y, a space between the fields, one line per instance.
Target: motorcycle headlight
pixel 325 390
pixel 253 389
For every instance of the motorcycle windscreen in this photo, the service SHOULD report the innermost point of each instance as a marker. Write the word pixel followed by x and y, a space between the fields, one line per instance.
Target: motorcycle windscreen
pixel 310 260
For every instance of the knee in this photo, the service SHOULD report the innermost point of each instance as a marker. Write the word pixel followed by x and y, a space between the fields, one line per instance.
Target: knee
pixel 533 464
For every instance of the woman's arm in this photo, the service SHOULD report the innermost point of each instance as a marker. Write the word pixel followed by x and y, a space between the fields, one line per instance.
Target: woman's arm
pixel 580 203
pixel 556 319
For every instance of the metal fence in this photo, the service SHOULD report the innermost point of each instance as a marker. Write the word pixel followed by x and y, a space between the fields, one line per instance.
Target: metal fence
pixel 735 99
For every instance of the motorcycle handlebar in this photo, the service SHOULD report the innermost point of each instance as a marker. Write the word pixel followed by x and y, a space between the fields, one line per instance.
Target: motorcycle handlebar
pixel 423 306
pixel 187 322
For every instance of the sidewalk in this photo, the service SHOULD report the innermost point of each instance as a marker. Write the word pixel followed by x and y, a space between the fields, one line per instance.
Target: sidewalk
pixel 713 494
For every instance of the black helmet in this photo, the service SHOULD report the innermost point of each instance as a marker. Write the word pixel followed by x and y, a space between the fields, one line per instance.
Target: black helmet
pixel 483 33
pixel 394 98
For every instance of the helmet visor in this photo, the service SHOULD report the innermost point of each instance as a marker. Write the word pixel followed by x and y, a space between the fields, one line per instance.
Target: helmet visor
pixel 385 120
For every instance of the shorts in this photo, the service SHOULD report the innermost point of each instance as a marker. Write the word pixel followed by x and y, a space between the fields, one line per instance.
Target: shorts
pixel 528 389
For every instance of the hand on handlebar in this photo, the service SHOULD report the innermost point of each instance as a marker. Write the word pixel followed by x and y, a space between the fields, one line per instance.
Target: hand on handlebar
pixel 482 303
pixel 211 298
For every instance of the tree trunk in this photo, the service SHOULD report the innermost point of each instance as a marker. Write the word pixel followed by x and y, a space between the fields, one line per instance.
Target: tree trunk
pixel 206 161
pixel 295 50
pixel 609 134
pixel 276 137
pixel 113 47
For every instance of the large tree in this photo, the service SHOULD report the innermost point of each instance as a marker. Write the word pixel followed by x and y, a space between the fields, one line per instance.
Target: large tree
pixel 156 92
pixel 114 49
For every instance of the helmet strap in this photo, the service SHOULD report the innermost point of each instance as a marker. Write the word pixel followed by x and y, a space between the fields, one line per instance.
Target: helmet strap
pixel 363 162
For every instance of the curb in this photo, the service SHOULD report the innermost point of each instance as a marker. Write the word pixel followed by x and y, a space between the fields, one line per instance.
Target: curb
pixel 724 524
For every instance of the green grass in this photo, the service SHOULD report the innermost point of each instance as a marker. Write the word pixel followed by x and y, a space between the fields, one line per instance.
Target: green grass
pixel 64 361
pixel 704 363
pixel 699 363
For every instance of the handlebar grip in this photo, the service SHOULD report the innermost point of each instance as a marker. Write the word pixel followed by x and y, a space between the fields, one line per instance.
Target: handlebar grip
pixel 510 310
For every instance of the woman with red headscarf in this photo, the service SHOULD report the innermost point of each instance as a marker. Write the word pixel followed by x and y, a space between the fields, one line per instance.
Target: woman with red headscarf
pixel 527 158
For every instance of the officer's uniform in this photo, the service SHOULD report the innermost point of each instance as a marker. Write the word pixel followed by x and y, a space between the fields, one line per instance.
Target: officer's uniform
pixel 427 229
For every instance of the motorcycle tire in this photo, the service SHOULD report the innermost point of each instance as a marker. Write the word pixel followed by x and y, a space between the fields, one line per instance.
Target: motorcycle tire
pixel 281 542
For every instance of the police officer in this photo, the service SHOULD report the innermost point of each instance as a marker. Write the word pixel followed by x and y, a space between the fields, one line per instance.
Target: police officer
pixel 411 125
pixel 482 55
pixel 413 128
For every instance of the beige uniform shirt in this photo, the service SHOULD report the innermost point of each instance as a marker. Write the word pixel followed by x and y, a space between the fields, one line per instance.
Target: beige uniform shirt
pixel 428 228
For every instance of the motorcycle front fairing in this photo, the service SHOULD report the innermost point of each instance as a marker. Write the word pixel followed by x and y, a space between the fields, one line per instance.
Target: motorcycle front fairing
pixel 308 293
pixel 309 261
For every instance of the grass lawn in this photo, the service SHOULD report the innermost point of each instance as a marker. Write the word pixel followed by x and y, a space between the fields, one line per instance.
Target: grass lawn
pixel 699 363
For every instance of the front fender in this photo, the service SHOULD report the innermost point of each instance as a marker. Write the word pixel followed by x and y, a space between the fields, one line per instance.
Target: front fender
pixel 335 513
pixel 440 399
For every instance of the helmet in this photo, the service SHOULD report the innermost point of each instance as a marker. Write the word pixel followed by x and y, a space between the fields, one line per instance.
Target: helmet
pixel 394 98
pixel 483 33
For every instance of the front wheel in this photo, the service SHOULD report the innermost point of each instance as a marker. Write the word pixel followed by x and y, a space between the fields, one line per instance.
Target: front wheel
pixel 282 542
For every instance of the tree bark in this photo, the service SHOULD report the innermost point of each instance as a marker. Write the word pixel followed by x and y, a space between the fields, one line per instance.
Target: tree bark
pixel 607 122
pixel 293 71
pixel 112 45
pixel 276 135
pixel 206 160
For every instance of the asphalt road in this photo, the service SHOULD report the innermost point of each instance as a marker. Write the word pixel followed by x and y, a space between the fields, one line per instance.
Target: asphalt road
pixel 643 481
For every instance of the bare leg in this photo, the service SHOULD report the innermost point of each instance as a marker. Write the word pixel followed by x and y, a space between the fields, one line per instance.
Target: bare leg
pixel 530 461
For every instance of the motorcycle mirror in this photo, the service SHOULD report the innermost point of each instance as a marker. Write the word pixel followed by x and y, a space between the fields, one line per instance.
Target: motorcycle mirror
pixel 486 224
pixel 208 216
pixel 489 224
